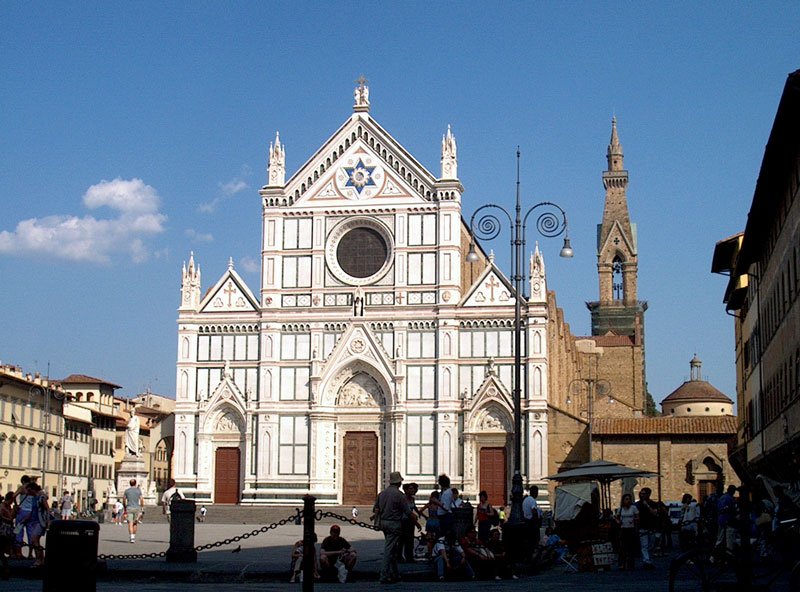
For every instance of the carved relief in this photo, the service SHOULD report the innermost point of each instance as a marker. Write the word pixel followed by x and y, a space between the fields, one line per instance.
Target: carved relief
pixel 228 423
pixel 360 391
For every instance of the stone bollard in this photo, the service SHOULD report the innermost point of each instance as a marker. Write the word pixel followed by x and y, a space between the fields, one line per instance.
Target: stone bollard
pixel 70 561
pixel 181 532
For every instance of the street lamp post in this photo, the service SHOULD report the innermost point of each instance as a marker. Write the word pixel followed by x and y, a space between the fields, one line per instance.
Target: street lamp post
pixel 551 222
pixel 46 393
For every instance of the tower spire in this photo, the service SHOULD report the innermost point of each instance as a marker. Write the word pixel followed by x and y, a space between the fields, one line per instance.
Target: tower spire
pixel 277 163
pixel 614 153
pixel 449 156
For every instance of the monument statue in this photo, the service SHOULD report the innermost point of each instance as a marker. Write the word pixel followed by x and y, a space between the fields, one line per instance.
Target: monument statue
pixel 132 435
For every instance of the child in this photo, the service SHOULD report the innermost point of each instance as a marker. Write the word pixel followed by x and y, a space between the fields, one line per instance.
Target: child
pixel 203 512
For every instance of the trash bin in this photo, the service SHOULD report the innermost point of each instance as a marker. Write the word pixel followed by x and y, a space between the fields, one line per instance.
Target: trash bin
pixel 462 520
pixel 70 559
pixel 101 517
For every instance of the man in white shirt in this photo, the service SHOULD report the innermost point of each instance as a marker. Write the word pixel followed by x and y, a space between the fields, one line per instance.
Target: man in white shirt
pixel 532 515
pixel 446 500
pixel 172 492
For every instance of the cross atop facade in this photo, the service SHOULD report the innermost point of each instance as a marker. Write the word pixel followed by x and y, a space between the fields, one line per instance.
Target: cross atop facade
pixel 361 81
pixel 229 290
pixel 492 284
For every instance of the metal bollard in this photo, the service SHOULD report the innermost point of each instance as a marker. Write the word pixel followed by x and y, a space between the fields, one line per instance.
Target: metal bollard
pixel 181 532
pixel 309 547
pixel 70 560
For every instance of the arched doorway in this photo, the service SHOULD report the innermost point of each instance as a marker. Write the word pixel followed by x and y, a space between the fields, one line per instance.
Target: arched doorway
pixel 227 440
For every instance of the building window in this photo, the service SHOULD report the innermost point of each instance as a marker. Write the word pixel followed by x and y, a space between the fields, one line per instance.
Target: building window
pixel 297 272
pixel 421 269
pixel 421 382
pixel 297 233
pixel 421 344
pixel 295 346
pixel 295 384
pixel 293 446
pixel 421 448
pixel 421 229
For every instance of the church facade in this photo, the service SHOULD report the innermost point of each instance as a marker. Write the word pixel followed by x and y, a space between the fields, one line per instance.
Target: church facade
pixel 370 345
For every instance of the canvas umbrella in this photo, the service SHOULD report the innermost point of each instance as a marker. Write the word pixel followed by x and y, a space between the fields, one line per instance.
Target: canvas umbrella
pixel 602 471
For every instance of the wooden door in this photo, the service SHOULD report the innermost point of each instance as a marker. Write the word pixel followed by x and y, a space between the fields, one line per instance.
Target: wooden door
pixel 493 475
pixel 226 476
pixel 360 457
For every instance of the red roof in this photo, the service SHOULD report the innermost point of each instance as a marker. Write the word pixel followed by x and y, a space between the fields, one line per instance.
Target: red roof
pixel 696 390
pixel 84 379
pixel 720 424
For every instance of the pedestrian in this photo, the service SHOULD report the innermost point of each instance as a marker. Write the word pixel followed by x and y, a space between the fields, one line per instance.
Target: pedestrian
pixel 66 506
pixel 6 532
pixel 203 512
pixel 532 516
pixel 690 517
pixel 648 525
pixel 337 553
pixel 170 494
pixel 117 512
pixel 485 517
pixel 132 502
pixel 410 525
pixel 446 504
pixel 354 513
pixel 726 520
pixel 390 508
pixel 33 515
pixel 627 516
pixel 449 559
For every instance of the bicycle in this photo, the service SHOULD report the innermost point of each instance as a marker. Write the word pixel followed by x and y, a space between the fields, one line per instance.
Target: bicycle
pixel 710 569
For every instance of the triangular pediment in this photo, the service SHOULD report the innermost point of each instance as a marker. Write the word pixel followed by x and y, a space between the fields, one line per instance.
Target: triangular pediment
pixel 490 289
pixel 491 408
pixel 225 406
pixel 229 294
pixel 617 240
pixel 358 342
pixel 360 162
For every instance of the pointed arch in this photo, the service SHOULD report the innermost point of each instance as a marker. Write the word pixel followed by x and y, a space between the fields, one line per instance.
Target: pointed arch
pixel 537 382
pixel 184 388
pixel 185 348
pixel 537 342
pixel 447 344
pixel 447 383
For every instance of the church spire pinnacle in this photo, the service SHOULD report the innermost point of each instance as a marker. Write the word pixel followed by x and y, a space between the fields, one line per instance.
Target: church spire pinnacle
pixel 614 153
pixel 190 284
pixel 449 156
pixel 277 163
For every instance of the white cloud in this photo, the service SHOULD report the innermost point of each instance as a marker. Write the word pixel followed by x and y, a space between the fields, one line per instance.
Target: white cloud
pixel 227 190
pixel 250 265
pixel 94 239
pixel 199 237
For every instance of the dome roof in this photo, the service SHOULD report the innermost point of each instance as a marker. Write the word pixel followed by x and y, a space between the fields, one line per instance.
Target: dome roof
pixel 696 390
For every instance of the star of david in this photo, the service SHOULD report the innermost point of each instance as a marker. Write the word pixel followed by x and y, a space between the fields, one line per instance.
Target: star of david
pixel 359 176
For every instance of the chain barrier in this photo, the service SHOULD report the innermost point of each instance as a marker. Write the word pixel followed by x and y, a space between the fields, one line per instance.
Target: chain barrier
pixel 292 518
pixel 319 515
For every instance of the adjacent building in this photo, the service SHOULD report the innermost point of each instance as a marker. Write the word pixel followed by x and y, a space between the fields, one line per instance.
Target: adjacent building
pixel 762 295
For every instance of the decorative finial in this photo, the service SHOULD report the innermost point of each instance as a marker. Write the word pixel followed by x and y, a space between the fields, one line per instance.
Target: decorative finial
pixel 449 156
pixel 230 262
pixel 361 96
pixel 491 256
pixel 276 171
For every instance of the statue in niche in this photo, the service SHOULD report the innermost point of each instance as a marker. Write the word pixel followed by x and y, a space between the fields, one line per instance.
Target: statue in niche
pixel 132 434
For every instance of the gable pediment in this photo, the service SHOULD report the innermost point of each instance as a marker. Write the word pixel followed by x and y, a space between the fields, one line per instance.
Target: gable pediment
pixel 226 401
pixel 360 162
pixel 358 342
pixel 490 289
pixel 617 240
pixel 229 294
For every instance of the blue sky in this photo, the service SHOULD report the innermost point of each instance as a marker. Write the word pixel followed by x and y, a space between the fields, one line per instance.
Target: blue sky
pixel 133 133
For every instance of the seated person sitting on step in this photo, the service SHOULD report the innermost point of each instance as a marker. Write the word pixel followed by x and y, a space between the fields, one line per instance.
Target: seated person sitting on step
pixel 335 552
pixel 297 561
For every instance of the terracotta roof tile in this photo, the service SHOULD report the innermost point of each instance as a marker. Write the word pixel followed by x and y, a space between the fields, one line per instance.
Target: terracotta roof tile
pixel 84 379
pixel 724 425
pixel 696 390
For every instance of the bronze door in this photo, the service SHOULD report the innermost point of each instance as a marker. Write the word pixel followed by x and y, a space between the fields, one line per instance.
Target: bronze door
pixel 493 475
pixel 226 476
pixel 360 456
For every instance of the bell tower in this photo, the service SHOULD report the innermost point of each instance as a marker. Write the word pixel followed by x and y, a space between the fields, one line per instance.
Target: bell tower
pixel 618 311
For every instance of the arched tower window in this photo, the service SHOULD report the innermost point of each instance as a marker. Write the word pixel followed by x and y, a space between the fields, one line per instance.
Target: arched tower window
pixel 618 278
